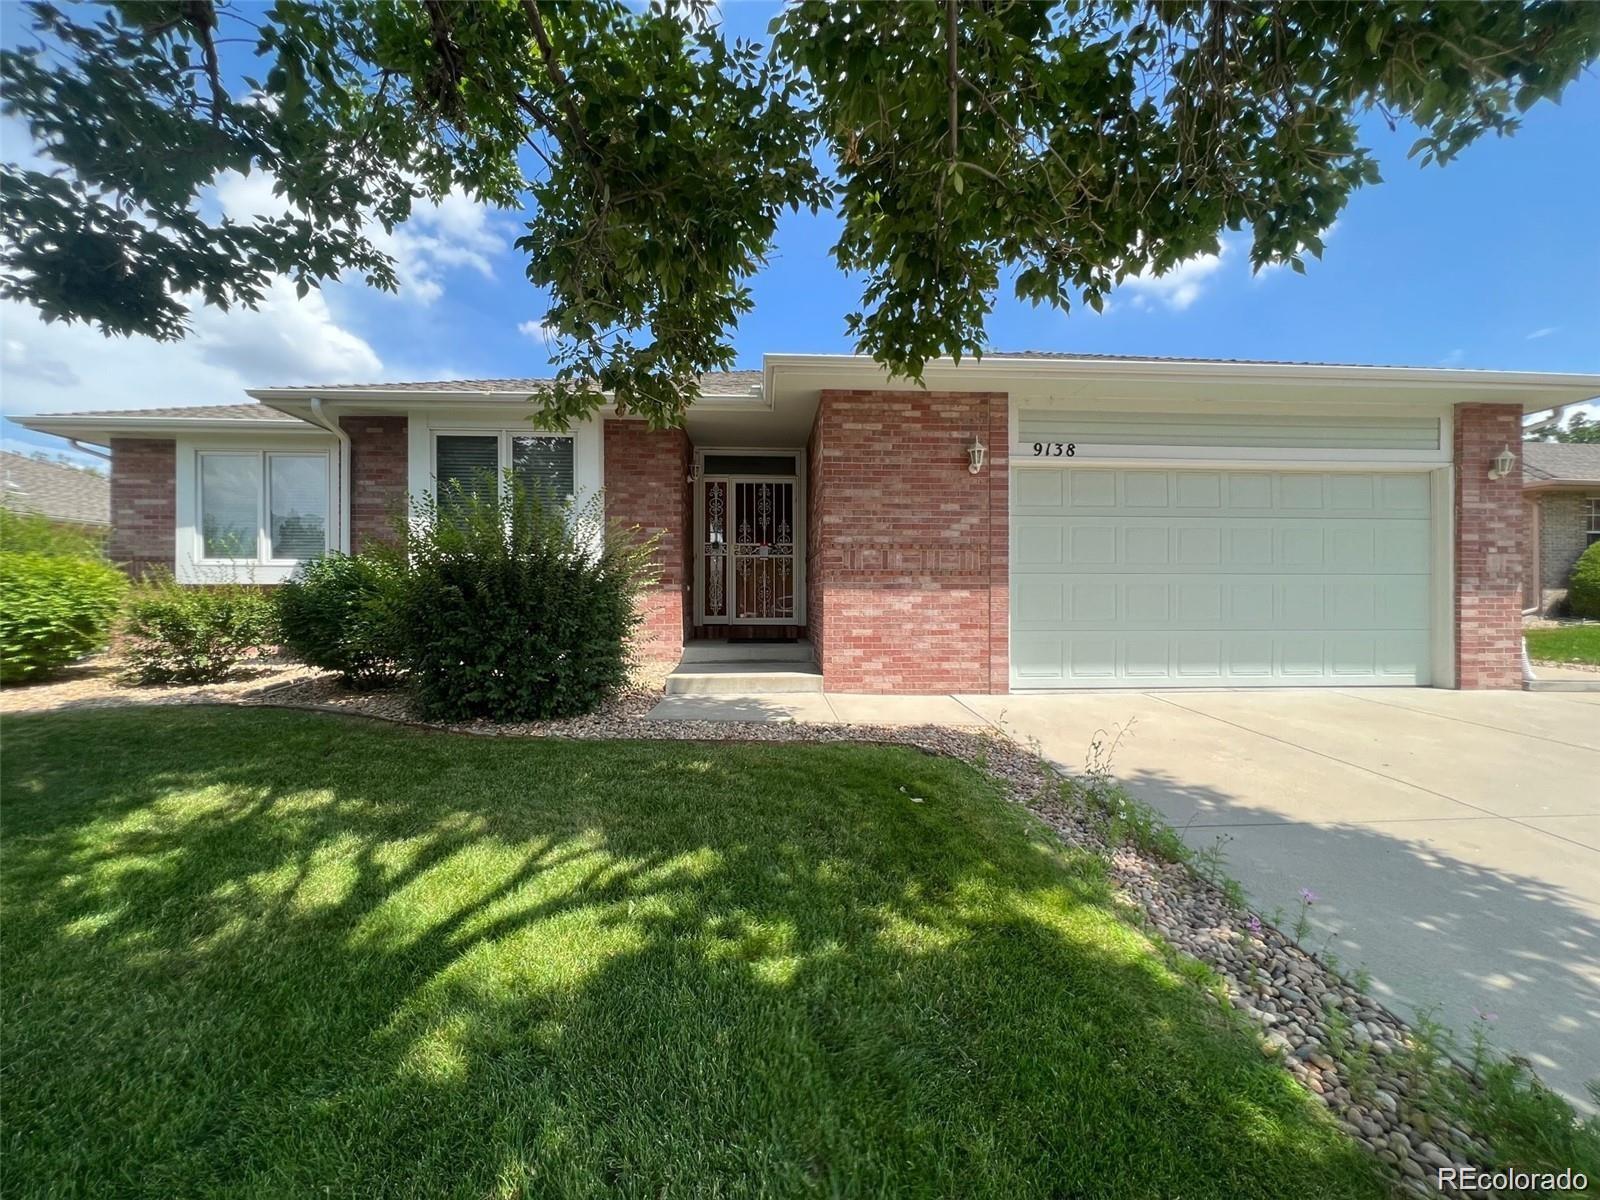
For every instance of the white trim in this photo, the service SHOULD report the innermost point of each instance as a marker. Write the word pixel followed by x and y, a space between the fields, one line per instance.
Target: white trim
pixel 190 564
pixel 1255 458
pixel 996 367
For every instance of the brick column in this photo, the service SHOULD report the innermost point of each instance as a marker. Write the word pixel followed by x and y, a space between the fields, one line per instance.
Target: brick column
pixel 1491 539
pixel 646 473
pixel 378 476
pixel 909 551
pixel 144 504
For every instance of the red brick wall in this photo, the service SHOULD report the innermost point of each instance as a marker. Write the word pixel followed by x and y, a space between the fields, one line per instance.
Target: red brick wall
pixel 908 550
pixel 378 471
pixel 1491 540
pixel 645 485
pixel 144 504
pixel 813 548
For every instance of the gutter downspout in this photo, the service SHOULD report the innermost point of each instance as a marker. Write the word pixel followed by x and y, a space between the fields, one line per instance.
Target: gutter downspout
pixel 332 427
pixel 79 446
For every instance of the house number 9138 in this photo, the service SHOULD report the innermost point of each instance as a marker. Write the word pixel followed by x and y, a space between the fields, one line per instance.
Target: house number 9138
pixel 1055 449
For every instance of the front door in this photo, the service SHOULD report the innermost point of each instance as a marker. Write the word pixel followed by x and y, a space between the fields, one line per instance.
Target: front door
pixel 748 571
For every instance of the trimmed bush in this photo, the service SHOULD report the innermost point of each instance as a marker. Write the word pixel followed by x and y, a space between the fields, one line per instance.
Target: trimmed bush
pixel 53 610
pixel 335 614
pixel 509 608
pixel 1583 589
pixel 180 634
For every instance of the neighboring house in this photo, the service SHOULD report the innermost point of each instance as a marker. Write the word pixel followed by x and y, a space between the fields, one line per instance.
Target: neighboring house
pixel 1561 487
pixel 1023 522
pixel 66 495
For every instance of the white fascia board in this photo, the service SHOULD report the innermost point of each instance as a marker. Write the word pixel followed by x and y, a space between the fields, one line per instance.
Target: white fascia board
pixel 1535 390
pixel 101 429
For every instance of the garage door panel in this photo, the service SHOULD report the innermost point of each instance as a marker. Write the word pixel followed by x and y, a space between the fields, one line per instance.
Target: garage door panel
pixel 1220 578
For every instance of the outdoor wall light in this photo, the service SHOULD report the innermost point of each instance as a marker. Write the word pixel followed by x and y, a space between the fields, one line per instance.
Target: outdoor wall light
pixel 1503 464
pixel 975 453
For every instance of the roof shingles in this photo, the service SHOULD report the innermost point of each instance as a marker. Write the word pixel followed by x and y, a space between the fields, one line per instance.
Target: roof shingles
pixel 54 490
pixel 1575 461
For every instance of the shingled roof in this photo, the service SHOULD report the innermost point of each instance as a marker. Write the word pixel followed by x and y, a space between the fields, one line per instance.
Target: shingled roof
pixel 54 490
pixel 718 383
pixel 1567 461
pixel 193 412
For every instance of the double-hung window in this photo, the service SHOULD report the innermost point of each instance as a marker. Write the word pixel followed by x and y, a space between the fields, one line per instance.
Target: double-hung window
pixel 474 463
pixel 1594 520
pixel 265 507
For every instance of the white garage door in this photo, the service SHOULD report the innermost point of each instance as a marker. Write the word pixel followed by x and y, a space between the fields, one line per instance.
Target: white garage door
pixel 1191 578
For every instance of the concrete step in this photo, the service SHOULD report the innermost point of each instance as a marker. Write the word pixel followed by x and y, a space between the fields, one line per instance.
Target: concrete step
pixel 747 652
pixel 743 678
pixel 1561 685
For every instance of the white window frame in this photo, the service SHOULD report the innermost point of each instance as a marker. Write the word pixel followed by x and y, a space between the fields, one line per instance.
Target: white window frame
pixel 1593 532
pixel 263 555
pixel 504 457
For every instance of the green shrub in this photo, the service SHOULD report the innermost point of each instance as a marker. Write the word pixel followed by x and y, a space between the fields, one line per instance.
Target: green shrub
pixel 1583 589
pixel 29 533
pixel 335 614
pixel 53 610
pixel 179 634
pixel 513 609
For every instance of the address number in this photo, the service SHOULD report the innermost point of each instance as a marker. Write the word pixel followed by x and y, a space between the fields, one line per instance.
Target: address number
pixel 1055 449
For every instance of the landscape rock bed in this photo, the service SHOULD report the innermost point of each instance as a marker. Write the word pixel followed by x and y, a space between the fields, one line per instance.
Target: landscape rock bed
pixel 1326 1031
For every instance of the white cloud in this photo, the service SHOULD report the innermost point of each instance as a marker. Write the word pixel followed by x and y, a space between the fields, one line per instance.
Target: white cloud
pixel 286 341
pixel 456 232
pixel 1543 333
pixel 538 330
pixel 1454 359
pixel 1178 287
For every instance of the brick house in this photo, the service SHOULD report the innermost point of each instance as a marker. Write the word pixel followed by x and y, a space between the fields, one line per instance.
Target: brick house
pixel 1561 495
pixel 1022 522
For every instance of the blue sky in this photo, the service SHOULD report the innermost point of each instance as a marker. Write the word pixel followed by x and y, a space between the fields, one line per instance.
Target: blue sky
pixel 1491 262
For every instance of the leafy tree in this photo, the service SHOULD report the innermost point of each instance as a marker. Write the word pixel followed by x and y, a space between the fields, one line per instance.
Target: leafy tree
pixel 1579 429
pixel 1063 146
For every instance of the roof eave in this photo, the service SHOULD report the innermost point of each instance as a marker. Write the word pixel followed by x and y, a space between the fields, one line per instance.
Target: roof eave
pixel 1555 485
pixel 1537 390
pixel 99 429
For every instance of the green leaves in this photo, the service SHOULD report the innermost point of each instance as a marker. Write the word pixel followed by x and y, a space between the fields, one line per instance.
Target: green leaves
pixel 1065 146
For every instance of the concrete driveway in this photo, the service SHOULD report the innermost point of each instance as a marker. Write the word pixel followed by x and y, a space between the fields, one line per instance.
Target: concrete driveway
pixel 1453 838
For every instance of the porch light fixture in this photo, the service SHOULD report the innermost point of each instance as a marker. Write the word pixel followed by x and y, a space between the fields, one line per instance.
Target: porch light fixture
pixel 1503 464
pixel 975 453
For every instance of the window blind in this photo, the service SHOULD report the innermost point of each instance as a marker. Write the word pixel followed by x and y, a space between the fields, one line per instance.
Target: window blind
pixel 543 465
pixel 468 466
pixel 230 495
pixel 297 505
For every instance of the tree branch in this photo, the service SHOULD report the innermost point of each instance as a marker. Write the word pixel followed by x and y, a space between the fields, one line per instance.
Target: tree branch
pixel 952 76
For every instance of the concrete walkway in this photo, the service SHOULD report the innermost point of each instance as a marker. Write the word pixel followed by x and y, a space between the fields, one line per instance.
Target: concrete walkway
pixel 1452 838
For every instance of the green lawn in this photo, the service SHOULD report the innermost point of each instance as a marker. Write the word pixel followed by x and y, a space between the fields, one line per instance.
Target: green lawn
pixel 256 953
pixel 1570 643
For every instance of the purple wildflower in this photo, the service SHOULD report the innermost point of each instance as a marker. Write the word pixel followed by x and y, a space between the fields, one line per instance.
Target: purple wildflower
pixel 1255 924
pixel 1307 896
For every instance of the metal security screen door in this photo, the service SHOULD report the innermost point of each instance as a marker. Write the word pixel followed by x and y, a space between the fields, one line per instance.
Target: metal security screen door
pixel 749 530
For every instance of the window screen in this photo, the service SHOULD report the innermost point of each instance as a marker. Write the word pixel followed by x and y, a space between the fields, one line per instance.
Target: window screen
pixel 467 465
pixel 230 495
pixel 297 505
pixel 543 465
